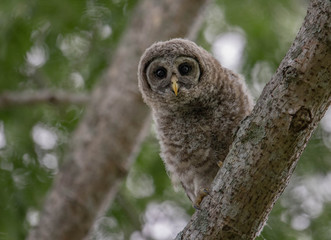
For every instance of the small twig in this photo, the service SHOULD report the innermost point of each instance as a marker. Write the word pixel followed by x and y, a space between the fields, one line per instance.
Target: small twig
pixel 9 99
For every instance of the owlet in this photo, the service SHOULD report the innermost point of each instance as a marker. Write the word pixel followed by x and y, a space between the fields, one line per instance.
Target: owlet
pixel 197 105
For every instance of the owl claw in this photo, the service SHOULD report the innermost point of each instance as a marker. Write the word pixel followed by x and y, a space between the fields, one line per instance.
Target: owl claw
pixel 220 163
pixel 201 194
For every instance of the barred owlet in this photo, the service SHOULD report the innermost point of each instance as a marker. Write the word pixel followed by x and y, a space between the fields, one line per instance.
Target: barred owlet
pixel 197 105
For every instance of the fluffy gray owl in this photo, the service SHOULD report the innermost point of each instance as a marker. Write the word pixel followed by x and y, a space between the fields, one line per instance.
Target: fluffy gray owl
pixel 197 106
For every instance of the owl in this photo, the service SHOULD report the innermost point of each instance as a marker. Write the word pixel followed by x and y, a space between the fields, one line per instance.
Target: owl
pixel 196 105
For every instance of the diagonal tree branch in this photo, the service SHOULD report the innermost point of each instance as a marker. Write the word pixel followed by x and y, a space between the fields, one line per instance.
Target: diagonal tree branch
pixel 23 98
pixel 270 141
pixel 103 146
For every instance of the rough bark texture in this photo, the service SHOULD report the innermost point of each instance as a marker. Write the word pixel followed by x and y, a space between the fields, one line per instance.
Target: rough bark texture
pixel 106 139
pixel 271 140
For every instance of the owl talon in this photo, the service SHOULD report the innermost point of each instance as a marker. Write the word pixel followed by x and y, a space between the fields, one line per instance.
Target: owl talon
pixel 196 207
pixel 220 163
pixel 201 195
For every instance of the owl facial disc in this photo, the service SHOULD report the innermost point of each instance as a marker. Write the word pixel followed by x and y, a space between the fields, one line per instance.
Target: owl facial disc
pixel 172 75
pixel 174 84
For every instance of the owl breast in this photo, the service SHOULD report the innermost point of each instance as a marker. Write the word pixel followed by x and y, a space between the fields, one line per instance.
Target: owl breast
pixel 186 149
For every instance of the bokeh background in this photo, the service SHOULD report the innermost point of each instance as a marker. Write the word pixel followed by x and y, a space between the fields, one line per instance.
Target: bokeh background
pixel 67 45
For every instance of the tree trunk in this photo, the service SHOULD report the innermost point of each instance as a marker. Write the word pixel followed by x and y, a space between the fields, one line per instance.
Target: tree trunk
pixel 103 146
pixel 270 141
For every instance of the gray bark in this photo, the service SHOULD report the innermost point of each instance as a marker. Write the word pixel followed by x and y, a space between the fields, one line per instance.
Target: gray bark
pixel 105 142
pixel 270 141
pixel 28 98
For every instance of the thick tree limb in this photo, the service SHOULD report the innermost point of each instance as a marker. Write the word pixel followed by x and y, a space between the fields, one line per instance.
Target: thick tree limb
pixel 23 98
pixel 271 140
pixel 107 137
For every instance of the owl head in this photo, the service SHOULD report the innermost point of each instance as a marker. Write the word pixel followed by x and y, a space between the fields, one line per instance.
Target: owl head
pixel 174 72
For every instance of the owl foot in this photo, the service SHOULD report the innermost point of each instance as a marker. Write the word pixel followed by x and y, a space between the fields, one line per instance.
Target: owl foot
pixel 201 194
pixel 220 163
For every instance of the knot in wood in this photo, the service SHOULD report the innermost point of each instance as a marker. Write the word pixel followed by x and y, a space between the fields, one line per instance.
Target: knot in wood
pixel 291 74
pixel 226 228
pixel 300 120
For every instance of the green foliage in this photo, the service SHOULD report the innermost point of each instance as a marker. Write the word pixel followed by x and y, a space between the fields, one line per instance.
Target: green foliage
pixel 262 20
pixel 47 45
pixel 67 45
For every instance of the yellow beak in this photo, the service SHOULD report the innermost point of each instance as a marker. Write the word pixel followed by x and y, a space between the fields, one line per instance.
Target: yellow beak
pixel 174 84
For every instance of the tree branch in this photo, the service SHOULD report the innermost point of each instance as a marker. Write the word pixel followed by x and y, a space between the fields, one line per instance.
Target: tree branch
pixel 103 146
pixel 9 99
pixel 270 141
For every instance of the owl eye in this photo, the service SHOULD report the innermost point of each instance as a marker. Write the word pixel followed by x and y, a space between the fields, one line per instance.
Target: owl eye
pixel 161 72
pixel 184 69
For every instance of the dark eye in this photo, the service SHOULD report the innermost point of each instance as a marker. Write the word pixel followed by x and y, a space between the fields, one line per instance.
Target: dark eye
pixel 184 69
pixel 161 72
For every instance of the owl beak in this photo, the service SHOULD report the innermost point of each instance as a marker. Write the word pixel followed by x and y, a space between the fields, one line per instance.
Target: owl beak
pixel 174 84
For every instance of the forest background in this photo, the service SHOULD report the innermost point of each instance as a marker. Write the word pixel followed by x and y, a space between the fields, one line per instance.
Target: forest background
pixel 53 53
